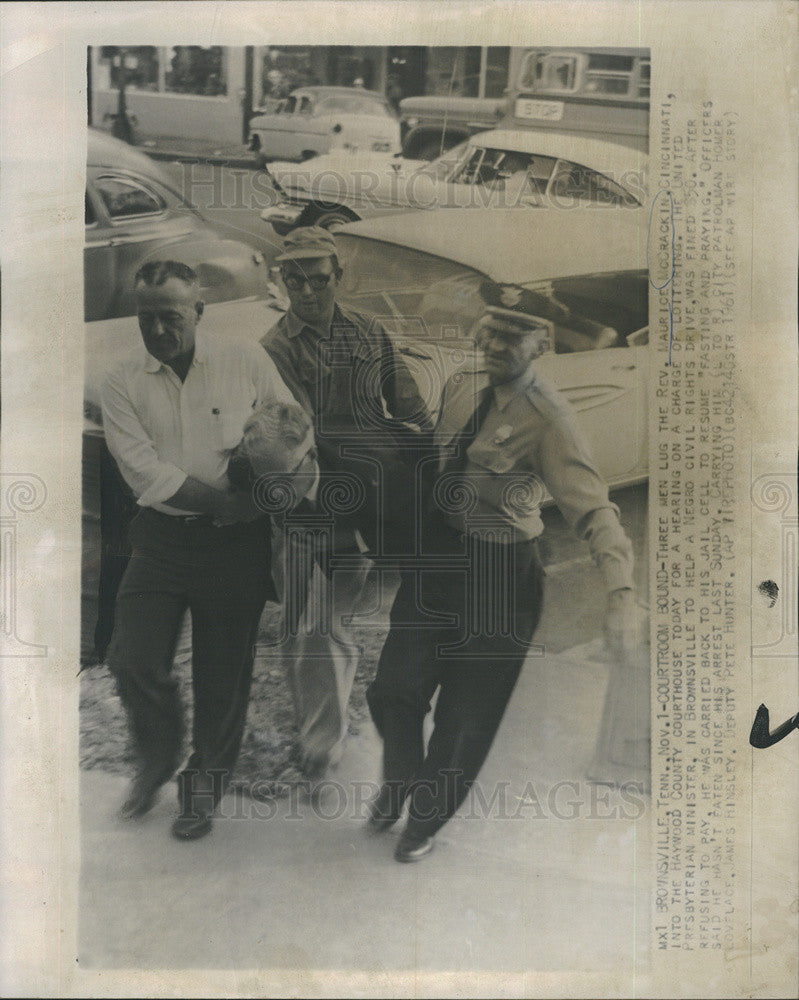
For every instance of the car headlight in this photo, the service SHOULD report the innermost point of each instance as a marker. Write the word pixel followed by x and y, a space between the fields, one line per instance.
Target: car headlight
pixel 411 122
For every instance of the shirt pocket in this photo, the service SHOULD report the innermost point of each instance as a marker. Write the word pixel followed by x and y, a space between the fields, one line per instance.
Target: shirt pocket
pixel 228 425
pixel 491 457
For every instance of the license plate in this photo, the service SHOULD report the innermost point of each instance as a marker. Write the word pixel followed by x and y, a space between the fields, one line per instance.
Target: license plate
pixel 551 111
pixel 381 147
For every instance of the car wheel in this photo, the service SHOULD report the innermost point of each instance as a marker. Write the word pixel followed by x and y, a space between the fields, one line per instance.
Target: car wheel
pixel 333 218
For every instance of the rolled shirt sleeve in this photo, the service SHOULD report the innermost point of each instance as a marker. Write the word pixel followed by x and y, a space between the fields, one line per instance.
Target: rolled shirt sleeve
pixel 404 401
pixel 160 433
pixel 269 383
pixel 582 497
pixel 151 479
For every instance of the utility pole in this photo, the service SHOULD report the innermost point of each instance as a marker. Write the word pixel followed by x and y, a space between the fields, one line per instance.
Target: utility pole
pixel 122 127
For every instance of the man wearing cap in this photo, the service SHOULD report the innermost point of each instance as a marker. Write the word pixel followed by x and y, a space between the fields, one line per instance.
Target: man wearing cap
pixel 344 371
pixel 505 435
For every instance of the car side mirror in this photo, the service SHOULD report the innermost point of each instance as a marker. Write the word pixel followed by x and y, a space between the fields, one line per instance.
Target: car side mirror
pixel 638 338
pixel 275 296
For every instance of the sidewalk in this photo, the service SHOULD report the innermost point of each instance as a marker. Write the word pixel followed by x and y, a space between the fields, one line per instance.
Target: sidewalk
pixel 197 151
pixel 554 876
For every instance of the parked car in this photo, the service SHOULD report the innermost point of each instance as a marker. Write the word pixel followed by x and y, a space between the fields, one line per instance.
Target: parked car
pixel 503 169
pixel 134 214
pixel 314 120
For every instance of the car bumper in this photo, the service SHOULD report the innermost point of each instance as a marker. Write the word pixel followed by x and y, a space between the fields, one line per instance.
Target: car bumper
pixel 282 217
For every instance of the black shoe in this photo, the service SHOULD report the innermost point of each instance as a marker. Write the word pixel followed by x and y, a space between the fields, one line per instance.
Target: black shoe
pixel 191 827
pixel 384 810
pixel 412 847
pixel 140 800
pixel 142 795
pixel 314 769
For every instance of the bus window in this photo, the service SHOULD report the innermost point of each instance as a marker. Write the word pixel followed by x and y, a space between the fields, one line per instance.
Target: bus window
pixel 550 71
pixel 644 69
pixel 608 74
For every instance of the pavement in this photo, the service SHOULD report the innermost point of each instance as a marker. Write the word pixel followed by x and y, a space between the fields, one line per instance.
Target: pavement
pixel 539 872
pixel 197 151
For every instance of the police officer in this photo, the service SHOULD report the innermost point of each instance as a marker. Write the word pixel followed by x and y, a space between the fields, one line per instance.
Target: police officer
pixel 506 435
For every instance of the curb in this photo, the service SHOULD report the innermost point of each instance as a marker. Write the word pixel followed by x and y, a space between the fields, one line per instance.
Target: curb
pixel 215 159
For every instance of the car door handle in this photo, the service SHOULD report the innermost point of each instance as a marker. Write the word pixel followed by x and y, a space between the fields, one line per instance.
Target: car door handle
pixel 622 368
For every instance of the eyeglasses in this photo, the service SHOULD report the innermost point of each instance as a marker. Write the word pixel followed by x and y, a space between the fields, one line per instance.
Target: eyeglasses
pixel 294 282
pixel 310 456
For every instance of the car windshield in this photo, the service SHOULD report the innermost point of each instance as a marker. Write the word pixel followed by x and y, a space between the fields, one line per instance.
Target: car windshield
pixel 443 166
pixel 356 105
pixel 413 294
pixel 418 296
pixel 487 165
pixel 530 175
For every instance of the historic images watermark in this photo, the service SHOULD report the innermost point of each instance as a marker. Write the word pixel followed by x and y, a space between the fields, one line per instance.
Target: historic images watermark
pixel 21 493
pixel 564 800
pixel 366 189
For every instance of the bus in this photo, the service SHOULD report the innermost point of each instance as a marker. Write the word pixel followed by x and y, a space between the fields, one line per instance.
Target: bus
pixel 597 92
pixel 602 93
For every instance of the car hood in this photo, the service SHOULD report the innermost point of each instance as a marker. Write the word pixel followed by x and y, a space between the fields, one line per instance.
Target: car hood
pixel 466 105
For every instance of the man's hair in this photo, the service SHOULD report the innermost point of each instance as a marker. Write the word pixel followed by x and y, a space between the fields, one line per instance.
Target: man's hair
pixel 273 432
pixel 156 272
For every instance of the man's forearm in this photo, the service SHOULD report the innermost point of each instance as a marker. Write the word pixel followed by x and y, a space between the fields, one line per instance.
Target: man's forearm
pixel 196 496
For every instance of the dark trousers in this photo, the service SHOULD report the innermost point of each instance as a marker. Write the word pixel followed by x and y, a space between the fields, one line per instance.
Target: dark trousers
pixel 493 606
pixel 222 575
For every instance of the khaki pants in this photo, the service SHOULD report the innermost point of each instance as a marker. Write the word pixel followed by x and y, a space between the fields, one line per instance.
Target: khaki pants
pixel 317 653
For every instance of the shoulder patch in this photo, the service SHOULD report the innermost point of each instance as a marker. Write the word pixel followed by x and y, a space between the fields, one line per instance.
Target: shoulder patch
pixel 548 399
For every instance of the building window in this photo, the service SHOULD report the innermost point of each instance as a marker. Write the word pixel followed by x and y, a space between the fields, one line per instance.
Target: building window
pixel 454 71
pixel 283 70
pixel 354 67
pixel 196 70
pixel 139 62
pixel 496 71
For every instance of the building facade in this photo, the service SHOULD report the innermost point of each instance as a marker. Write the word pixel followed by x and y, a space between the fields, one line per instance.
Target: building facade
pixel 209 93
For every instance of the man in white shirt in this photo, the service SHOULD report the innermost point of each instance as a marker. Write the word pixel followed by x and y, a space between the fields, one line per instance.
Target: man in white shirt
pixel 173 411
